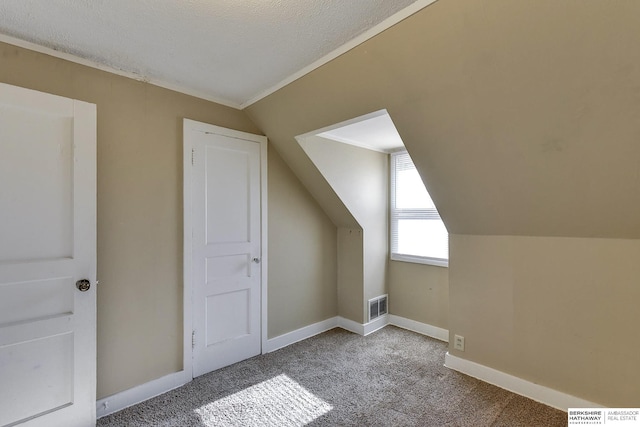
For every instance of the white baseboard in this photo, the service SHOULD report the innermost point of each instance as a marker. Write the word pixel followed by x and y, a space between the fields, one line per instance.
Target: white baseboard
pixel 375 325
pixel 419 327
pixel 289 338
pixel 517 385
pixel 548 396
pixel 124 399
pixel 350 325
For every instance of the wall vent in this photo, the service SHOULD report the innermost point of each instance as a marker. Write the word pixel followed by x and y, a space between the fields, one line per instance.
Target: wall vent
pixel 377 307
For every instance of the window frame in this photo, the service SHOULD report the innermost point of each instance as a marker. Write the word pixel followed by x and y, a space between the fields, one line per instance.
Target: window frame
pixel 396 214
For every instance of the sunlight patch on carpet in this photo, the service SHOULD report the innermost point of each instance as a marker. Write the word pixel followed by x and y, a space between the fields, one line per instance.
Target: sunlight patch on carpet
pixel 279 401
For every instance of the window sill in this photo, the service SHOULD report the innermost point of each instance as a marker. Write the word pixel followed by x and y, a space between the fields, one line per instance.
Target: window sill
pixel 438 262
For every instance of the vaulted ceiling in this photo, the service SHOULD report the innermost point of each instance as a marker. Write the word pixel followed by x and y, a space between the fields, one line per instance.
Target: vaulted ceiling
pixel 523 117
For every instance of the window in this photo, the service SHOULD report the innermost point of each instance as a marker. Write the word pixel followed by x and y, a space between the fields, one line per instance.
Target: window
pixel 417 232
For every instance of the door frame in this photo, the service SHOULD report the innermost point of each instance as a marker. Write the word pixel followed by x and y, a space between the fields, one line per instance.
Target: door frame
pixel 190 126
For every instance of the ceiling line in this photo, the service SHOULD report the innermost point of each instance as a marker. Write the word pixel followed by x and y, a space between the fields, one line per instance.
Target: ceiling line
pixel 372 32
pixel 109 69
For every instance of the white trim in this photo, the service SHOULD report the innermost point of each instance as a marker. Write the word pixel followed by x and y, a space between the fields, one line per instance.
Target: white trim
pixel 363 329
pixel 309 331
pixel 537 392
pixel 263 240
pixel 187 291
pixel 350 325
pixel 303 333
pixel 140 393
pixel 376 324
pixel 438 262
pixel 192 125
pixel 372 32
pixel 218 130
pixel 419 327
pixel 88 63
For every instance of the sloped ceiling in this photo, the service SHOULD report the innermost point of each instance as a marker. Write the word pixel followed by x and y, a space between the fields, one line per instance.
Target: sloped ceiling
pixel 375 132
pixel 228 50
pixel 523 117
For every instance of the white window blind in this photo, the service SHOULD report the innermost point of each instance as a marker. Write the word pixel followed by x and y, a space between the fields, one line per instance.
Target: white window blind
pixel 417 232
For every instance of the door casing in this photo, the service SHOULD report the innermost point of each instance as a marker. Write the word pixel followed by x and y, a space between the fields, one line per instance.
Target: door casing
pixel 189 127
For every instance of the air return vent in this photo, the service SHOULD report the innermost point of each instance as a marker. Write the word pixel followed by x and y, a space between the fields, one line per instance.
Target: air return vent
pixel 377 307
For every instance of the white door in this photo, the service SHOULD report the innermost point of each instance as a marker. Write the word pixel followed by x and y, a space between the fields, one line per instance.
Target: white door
pixel 226 239
pixel 47 244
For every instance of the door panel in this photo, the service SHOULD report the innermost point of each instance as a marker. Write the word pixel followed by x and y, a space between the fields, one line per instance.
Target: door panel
pixel 36 222
pixel 228 266
pixel 47 243
pixel 38 299
pixel 44 381
pixel 226 240
pixel 232 309
pixel 228 194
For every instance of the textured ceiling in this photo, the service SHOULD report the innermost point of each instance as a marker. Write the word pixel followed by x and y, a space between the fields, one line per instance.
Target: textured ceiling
pixel 232 50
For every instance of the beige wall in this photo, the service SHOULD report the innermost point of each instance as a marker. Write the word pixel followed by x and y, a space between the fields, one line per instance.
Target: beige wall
pixel 360 178
pixel 302 254
pixel 560 312
pixel 516 118
pixel 350 277
pixel 139 209
pixel 522 117
pixel 140 219
pixel 419 292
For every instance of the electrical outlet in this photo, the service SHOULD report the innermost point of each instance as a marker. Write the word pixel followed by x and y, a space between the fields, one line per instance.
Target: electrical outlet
pixel 458 342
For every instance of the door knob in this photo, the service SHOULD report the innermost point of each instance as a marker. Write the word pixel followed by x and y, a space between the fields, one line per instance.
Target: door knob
pixel 256 260
pixel 83 285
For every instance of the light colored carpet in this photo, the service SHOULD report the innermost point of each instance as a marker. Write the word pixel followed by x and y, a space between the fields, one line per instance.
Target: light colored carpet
pixel 392 377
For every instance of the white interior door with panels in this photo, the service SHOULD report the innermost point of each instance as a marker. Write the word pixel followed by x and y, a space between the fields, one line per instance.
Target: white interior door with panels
pixel 226 265
pixel 47 260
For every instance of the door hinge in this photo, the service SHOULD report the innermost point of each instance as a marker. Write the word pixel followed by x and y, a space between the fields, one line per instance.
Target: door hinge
pixel 193 155
pixel 193 339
